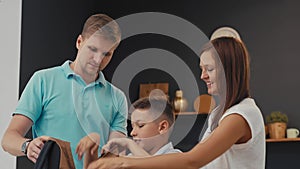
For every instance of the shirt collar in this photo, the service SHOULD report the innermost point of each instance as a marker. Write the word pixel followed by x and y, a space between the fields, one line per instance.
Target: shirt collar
pixel 166 148
pixel 101 79
pixel 70 73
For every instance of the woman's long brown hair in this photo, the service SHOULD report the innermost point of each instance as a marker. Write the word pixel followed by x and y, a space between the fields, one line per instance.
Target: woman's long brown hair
pixel 235 70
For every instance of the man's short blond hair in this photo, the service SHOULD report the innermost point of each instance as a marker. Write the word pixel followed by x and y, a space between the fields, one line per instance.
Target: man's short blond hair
pixel 103 25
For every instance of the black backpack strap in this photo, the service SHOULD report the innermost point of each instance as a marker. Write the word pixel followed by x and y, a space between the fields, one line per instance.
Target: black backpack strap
pixel 49 157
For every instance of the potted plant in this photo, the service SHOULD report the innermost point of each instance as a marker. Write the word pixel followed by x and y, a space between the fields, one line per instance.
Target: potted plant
pixel 277 122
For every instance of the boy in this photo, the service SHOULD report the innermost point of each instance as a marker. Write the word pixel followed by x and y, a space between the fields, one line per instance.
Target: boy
pixel 152 119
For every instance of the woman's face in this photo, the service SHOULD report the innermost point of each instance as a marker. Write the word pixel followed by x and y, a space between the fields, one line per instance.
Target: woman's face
pixel 209 73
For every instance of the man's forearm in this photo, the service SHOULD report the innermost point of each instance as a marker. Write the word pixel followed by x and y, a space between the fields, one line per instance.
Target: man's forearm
pixel 12 142
pixel 116 134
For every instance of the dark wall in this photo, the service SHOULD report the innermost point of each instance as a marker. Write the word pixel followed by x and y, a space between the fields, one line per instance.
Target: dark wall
pixel 269 29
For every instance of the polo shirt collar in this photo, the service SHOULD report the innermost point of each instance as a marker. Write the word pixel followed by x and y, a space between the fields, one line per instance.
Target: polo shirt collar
pixel 165 149
pixel 69 73
pixel 101 79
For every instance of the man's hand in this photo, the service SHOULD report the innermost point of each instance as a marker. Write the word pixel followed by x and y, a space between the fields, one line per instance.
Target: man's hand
pixel 35 146
pixel 88 143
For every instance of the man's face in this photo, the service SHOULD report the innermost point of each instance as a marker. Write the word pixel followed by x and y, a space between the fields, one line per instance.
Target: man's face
pixel 94 53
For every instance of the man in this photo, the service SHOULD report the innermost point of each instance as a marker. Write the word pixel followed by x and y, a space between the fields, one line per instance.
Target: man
pixel 70 101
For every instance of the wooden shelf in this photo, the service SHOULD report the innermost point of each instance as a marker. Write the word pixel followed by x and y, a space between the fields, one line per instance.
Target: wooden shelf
pixel 188 113
pixel 283 140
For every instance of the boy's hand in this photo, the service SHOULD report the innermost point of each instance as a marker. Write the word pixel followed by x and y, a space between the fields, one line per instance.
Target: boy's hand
pixel 116 145
pixel 88 143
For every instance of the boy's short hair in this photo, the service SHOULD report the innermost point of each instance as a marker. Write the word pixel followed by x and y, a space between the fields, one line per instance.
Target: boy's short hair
pixel 158 105
pixel 104 25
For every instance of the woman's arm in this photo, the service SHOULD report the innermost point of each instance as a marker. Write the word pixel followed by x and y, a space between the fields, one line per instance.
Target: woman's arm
pixel 231 130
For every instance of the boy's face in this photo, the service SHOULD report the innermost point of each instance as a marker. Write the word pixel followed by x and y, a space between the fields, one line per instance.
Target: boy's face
pixel 145 130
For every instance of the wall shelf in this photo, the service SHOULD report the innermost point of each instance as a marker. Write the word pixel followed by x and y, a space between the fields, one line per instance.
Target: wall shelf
pixel 188 113
pixel 267 140
pixel 283 140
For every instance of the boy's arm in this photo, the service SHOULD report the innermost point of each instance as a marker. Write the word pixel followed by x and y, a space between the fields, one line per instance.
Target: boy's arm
pixel 136 150
pixel 116 135
pixel 122 144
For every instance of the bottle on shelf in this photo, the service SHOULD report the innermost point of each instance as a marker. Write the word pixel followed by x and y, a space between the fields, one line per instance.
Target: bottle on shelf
pixel 180 103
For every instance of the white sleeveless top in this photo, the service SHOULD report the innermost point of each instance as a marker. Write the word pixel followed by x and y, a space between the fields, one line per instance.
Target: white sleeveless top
pixel 249 155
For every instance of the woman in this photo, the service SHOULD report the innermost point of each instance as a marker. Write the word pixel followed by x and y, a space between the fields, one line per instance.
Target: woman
pixel 235 136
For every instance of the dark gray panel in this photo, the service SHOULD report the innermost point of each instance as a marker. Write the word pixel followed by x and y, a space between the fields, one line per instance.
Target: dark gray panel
pixel 269 29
